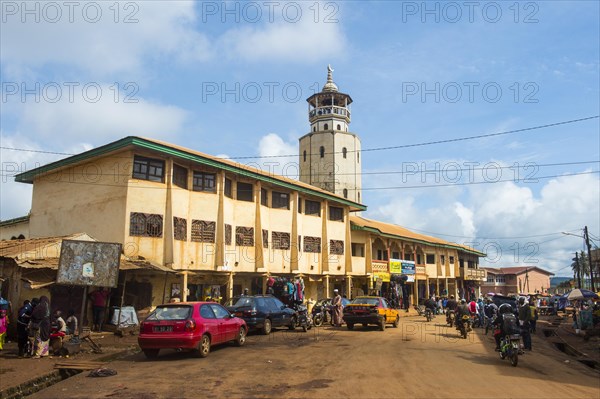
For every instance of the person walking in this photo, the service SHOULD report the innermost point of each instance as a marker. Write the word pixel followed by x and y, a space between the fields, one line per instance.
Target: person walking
pixel 40 323
pixel 336 309
pixel 534 316
pixel 3 328
pixel 23 318
pixel 524 321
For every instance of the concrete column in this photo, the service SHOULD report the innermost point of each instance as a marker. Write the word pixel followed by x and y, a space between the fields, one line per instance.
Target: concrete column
pixel 220 228
pixel 184 290
pixel 168 220
pixel 326 293
pixel 427 287
pixel 294 254
pixel 230 286
pixel 349 286
pixel 324 239
pixel 259 259
pixel 437 286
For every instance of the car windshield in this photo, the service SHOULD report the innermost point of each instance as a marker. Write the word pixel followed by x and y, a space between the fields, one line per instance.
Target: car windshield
pixel 365 301
pixel 244 302
pixel 231 301
pixel 171 313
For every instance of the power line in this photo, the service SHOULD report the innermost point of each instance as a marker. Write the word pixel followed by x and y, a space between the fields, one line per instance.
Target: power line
pixel 414 172
pixel 452 140
pixel 479 182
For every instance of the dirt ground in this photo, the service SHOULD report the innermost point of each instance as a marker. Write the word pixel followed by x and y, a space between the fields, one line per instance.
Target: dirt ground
pixel 416 360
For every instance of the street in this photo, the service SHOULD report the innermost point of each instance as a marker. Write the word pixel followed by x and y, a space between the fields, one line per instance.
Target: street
pixel 416 360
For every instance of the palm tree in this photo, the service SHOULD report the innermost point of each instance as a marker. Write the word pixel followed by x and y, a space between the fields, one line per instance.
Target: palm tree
pixel 581 268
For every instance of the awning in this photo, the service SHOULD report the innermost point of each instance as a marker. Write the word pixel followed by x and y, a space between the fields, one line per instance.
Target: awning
pixel 34 285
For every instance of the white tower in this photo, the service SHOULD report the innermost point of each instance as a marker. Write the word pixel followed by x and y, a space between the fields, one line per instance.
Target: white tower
pixel 330 154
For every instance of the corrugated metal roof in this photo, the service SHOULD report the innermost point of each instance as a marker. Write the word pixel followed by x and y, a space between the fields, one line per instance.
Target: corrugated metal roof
pixel 44 253
pixel 401 232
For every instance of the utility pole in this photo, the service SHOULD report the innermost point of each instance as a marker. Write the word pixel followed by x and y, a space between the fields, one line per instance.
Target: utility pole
pixel 587 243
pixel 578 270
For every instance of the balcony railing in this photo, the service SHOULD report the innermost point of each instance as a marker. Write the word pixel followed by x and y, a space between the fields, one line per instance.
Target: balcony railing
pixel 329 110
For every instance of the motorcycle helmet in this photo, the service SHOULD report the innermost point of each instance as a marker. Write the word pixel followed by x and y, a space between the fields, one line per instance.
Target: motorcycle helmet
pixel 505 308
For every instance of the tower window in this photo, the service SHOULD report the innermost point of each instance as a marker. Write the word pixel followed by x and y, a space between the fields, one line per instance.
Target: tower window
pixel 304 154
pixel 322 151
pixel 314 128
pixel 345 193
pixel 358 198
pixel 357 157
pixel 339 127
pixel 326 127
pixel 344 152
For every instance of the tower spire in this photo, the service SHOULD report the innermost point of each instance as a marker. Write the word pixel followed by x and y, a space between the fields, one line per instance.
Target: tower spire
pixel 330 86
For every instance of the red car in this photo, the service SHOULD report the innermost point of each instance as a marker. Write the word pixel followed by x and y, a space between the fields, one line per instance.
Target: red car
pixel 194 326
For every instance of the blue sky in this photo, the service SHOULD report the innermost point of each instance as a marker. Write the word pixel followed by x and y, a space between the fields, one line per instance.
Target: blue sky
pixel 226 79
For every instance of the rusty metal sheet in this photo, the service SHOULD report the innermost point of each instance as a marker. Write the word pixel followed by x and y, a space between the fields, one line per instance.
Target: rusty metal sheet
pixel 89 263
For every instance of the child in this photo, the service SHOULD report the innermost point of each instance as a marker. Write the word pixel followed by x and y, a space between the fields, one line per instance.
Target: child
pixel 3 327
pixel 72 327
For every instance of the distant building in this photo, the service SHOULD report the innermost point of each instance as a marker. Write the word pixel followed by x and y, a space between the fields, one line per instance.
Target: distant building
pixel 516 280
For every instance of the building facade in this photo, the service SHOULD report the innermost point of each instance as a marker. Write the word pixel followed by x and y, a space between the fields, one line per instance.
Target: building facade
pixel 222 227
pixel 516 280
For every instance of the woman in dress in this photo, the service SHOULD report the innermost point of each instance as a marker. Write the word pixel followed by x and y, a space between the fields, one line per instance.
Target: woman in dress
pixel 40 320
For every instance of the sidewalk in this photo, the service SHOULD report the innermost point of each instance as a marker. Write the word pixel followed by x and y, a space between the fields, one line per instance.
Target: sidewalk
pixel 562 334
pixel 22 376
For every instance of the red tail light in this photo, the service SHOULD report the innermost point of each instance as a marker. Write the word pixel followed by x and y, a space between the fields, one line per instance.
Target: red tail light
pixel 190 325
pixel 249 312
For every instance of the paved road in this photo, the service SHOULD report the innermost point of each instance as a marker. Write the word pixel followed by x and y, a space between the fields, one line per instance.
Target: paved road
pixel 416 360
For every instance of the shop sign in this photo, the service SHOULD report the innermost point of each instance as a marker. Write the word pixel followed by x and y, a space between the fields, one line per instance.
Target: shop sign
pixel 385 277
pixel 398 266
pixel 411 279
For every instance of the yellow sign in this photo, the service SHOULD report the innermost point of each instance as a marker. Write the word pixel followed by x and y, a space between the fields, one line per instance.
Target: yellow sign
pixel 395 266
pixel 385 277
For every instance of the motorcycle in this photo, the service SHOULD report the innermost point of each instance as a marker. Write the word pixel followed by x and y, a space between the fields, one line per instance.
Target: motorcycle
pixel 464 325
pixel 450 317
pixel 302 318
pixel 321 314
pixel 428 314
pixel 510 347
pixel 489 322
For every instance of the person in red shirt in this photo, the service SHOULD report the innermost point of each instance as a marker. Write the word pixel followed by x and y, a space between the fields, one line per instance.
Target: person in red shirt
pixel 99 298
pixel 473 307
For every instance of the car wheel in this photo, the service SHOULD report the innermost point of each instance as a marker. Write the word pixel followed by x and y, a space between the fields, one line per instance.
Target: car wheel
pixel 350 326
pixel 240 339
pixel 382 325
pixel 203 347
pixel 293 323
pixel 396 322
pixel 266 330
pixel 151 353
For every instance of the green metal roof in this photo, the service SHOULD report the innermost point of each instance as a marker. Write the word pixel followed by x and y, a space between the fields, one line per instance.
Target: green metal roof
pixel 163 148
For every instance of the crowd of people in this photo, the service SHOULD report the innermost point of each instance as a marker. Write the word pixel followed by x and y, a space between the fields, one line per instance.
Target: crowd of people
pixel 36 325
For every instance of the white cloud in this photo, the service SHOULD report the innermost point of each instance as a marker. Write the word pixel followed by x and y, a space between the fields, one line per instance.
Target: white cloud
pixel 101 120
pixel 525 227
pixel 105 42
pixel 274 149
pixel 303 41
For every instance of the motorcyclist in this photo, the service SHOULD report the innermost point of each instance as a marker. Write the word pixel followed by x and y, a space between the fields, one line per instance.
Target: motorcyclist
pixel 506 322
pixel 462 310
pixel 430 304
pixel 451 306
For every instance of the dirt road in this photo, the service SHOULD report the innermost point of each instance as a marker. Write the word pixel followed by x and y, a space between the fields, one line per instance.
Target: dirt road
pixel 416 360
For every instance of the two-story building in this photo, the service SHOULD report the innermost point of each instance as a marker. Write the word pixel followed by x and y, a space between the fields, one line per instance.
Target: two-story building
pixel 516 280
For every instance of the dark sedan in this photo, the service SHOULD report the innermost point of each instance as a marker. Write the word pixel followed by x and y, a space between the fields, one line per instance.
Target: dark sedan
pixel 264 312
